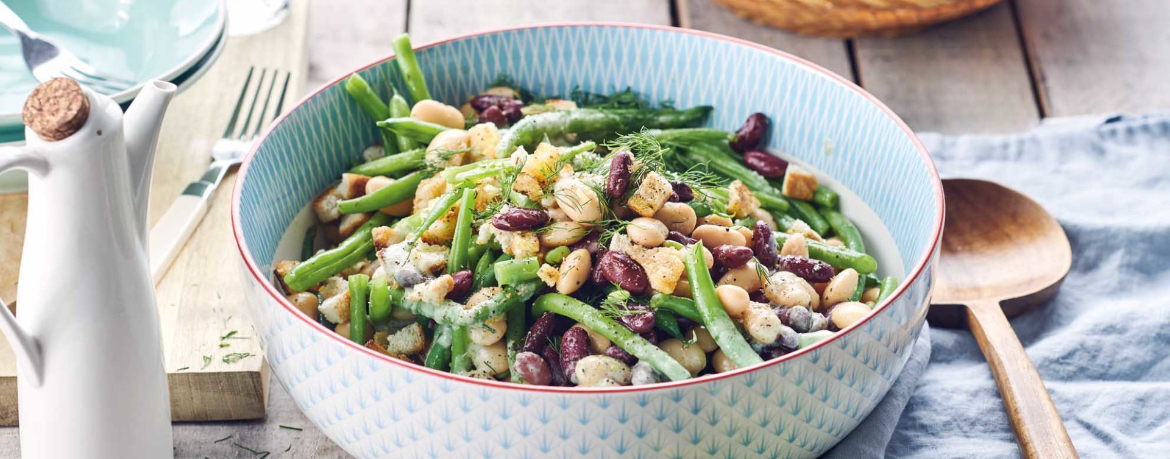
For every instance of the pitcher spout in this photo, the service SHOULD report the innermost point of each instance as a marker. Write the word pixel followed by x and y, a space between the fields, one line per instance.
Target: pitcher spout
pixel 141 125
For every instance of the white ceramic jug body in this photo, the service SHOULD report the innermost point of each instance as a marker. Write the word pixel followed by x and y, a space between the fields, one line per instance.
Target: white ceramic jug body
pixel 92 384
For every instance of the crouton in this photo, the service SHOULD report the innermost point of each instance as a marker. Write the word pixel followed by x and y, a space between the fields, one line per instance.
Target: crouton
pixel 428 258
pixel 528 185
pixel 484 137
pixel 385 236
pixel 519 244
pixel 282 269
pixel 799 183
pixel 325 205
pixel 407 341
pixel 352 186
pixel 741 202
pixel 763 216
pixel 652 193
pixel 351 222
pixel 433 291
pixel 336 308
pixel 549 274
pixel 401 209
pixel 664 266
pixel 543 163
pixel 443 230
pixel 332 287
pixel 428 190
pixel 486 192
pixel 800 227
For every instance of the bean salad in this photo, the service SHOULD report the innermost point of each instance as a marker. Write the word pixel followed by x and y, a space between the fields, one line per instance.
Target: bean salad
pixel 594 240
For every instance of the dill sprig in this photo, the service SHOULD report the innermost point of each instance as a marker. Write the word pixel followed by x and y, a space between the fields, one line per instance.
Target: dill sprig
pixel 614 304
pixel 625 98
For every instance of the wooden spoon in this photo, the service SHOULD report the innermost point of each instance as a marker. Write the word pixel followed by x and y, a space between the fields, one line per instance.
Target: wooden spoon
pixel 1003 255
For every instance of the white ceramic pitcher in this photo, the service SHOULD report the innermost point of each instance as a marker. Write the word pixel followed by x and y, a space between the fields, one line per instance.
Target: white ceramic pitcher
pixel 90 378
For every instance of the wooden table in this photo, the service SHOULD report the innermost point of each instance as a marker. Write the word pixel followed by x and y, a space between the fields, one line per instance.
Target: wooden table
pixel 997 72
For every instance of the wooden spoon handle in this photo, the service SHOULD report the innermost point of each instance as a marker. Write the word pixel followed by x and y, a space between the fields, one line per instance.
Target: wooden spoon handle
pixel 1034 418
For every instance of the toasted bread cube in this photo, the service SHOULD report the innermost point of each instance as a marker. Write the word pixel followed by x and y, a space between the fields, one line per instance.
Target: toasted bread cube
pixel 528 185
pixel 407 341
pixel 799 183
pixel 336 308
pixel 429 258
pixel 484 138
pixel 352 186
pixel 543 163
pixel 332 287
pixel 385 236
pixel 433 291
pixel 519 244
pixel 429 190
pixel 351 222
pixel 443 230
pixel 741 202
pixel 325 205
pixel 664 266
pixel 282 269
pixel 549 274
pixel 652 193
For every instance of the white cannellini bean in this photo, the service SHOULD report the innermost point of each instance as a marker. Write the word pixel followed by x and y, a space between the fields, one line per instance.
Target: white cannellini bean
pixel 647 232
pixel 721 363
pixel 840 288
pixel 492 359
pixel 689 356
pixel 433 111
pixel 563 233
pixel 734 299
pixel 715 236
pixel 746 277
pixel 677 216
pixel 574 271
pixel 787 289
pixel 796 245
pixel 704 339
pixel 490 333
pixel 761 323
pixel 848 313
pixel 594 370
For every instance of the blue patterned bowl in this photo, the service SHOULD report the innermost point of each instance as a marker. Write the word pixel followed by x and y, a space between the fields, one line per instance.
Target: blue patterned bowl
pixel 794 407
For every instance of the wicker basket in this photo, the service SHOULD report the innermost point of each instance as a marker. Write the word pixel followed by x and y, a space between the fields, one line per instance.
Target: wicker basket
pixel 854 18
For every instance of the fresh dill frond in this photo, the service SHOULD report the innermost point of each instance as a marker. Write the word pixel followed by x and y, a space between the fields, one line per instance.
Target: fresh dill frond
pixel 525 95
pixel 612 228
pixel 614 304
pixel 761 270
pixel 626 98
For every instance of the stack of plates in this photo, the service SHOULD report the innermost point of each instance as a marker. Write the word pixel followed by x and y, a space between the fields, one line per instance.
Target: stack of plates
pixel 171 40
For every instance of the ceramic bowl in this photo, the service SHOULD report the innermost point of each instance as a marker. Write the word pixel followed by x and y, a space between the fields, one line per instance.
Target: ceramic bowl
pixel 793 407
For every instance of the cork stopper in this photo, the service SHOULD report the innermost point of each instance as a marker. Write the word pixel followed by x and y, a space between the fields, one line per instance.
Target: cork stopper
pixel 56 109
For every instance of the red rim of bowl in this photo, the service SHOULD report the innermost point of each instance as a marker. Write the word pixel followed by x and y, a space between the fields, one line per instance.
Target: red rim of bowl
pixel 262 279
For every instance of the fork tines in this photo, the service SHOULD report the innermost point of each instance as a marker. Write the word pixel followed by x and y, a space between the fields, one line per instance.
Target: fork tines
pixel 258 91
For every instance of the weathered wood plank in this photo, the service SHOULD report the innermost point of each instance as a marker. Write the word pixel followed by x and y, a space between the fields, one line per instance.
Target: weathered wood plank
pixel 432 20
pixel 967 76
pixel 339 43
pixel 831 53
pixel 1094 56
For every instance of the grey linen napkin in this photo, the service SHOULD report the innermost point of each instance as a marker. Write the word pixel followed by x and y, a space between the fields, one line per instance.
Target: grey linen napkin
pixel 1102 345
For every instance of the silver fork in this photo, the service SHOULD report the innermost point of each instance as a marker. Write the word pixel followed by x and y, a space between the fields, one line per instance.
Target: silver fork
pixel 46 60
pixel 172 230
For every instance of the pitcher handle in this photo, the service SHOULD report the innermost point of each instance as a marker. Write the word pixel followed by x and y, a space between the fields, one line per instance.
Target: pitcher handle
pixel 26 347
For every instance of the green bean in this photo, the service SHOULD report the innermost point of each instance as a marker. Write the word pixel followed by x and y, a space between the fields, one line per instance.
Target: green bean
pixel 808 339
pixel 701 208
pixel 617 333
pixel 460 361
pixel 771 201
pixel 413 129
pixel 567 154
pixel 825 197
pixel 380 301
pixel 416 85
pixel 477 171
pixel 400 108
pixel 484 274
pixel 474 252
pixel 665 320
pixel 871 281
pixel 409 224
pixel 517 320
pixel 808 213
pixel 723 163
pixel 359 291
pixel 309 244
pixel 844 229
pixel 683 307
pixel 783 220
pixel 461 242
pixel 442 205
pixel 889 284
pixel 455 313
pixel 509 272
pixel 392 164
pixel 687 136
pixel 593 122
pixel 373 106
pixel 401 190
pixel 439 355
pixel 859 290
pixel 838 257
pixel 555 256
pixel 715 318
pixel 326 263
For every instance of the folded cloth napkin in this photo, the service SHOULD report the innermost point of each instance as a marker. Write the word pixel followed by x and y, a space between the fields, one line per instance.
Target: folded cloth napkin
pixel 1101 344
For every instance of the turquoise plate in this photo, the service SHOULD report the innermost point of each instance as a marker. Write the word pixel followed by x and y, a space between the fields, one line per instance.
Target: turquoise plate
pixel 159 39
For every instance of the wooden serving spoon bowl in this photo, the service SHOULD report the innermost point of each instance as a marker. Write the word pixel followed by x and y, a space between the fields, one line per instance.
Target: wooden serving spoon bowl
pixel 1003 255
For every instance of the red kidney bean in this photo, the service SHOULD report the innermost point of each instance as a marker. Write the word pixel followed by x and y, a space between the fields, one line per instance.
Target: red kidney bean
pixel 485 101
pixel 731 256
pixel 537 338
pixel 553 359
pixel 574 347
pixel 652 335
pixel 493 115
pixel 752 132
pixel 673 197
pixel 819 322
pixel 589 242
pixel 764 244
pixel 512 110
pixel 758 296
pixel 773 352
pixel 684 192
pixel 717 271
pixel 814 271
pixel 519 219
pixel 798 318
pixel 788 338
pixel 618 353
pixel 686 324
pixel 679 238
pixel 532 369
pixel 765 164
pixel 619 175
pixel 620 269
pixel 462 285
pixel 597 276
pixel 640 322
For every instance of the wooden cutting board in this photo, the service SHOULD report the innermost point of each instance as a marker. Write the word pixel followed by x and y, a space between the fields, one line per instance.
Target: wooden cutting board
pixel 200 298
